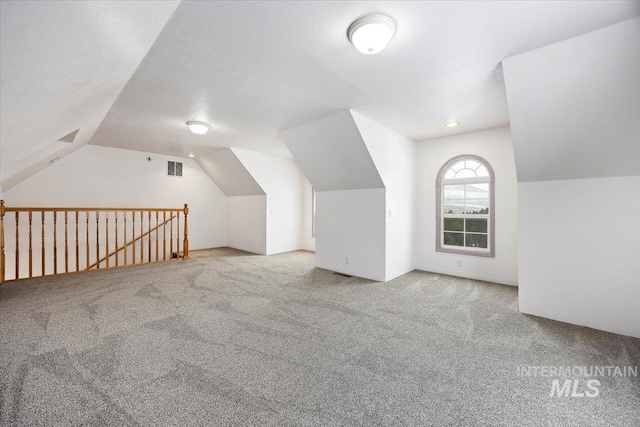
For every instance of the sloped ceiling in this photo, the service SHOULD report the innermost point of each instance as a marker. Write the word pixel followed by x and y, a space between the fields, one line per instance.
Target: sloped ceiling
pixel 63 65
pixel 253 69
pixel 229 174
pixel 575 106
pixel 332 154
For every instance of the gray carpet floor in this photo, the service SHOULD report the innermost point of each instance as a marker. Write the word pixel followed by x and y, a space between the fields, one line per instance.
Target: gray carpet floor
pixel 228 338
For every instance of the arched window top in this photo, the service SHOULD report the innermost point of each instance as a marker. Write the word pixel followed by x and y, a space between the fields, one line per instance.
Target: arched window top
pixel 465 207
pixel 466 168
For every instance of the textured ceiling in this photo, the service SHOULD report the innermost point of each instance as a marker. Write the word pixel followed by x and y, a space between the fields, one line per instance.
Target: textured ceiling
pixel 253 69
pixel 63 65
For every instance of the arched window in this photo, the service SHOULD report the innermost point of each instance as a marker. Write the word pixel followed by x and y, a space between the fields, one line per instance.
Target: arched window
pixel 465 207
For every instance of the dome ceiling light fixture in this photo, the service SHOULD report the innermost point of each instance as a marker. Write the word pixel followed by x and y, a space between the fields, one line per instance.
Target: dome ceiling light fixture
pixel 199 128
pixel 372 33
pixel 452 124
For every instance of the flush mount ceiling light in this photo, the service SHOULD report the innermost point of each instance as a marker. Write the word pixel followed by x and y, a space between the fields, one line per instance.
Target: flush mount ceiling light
pixel 199 128
pixel 451 124
pixel 371 34
pixel 191 155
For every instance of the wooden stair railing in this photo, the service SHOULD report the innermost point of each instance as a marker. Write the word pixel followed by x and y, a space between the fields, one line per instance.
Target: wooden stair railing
pixel 91 236
pixel 133 242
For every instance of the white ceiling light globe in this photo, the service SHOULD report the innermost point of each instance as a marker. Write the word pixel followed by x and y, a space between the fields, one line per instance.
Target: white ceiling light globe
pixel 199 128
pixel 371 34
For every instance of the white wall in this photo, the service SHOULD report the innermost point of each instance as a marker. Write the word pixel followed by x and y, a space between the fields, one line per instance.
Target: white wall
pixel 351 223
pixel 394 157
pixel 574 109
pixel 495 146
pixel 580 252
pixel 332 154
pixel 283 181
pixel 574 106
pixel 247 223
pixel 100 176
pixel 228 172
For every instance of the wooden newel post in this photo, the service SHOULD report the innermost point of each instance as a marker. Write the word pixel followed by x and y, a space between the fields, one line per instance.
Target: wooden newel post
pixel 2 241
pixel 185 246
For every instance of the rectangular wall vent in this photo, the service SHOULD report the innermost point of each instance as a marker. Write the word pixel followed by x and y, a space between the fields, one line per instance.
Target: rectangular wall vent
pixel 174 168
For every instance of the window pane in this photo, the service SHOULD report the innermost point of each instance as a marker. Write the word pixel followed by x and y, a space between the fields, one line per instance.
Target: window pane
pixel 457 166
pixel 454 239
pixel 476 225
pixel 454 192
pixel 450 174
pixel 477 207
pixel 476 240
pixel 482 171
pixel 472 164
pixel 477 191
pixel 466 173
pixel 171 168
pixel 454 224
pixel 453 207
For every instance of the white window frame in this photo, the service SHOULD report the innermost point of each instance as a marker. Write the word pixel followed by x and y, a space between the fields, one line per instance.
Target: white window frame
pixel 440 216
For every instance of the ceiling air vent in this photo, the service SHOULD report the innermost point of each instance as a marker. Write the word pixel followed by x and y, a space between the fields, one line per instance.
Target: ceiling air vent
pixel 174 168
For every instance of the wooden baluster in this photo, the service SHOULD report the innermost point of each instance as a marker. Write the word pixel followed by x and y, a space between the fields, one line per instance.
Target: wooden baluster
pixel 157 215
pixel 97 240
pixel 178 235
pixel 42 260
pixel 116 249
pixel 30 247
pixel 149 236
pixel 77 249
pixel 107 236
pixel 133 235
pixel 17 247
pixel 185 245
pixel 141 239
pixel 164 235
pixel 66 243
pixel 87 240
pixel 171 236
pixel 55 242
pixel 2 263
pixel 124 235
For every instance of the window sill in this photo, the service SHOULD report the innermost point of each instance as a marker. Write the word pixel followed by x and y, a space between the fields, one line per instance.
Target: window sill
pixel 461 251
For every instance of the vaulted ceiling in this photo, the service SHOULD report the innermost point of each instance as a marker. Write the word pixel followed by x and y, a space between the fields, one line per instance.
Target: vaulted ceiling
pixel 254 69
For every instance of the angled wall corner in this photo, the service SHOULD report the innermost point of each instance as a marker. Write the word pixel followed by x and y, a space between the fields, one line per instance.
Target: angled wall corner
pixel 574 106
pixel 574 109
pixel 364 176
pixel 332 154
pixel 284 184
pixel 246 201
pixel 20 170
pixel 394 157
pixel 227 171
pixel 43 101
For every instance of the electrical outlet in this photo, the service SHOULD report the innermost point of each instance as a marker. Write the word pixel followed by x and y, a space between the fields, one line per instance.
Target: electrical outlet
pixel 459 263
pixel 347 260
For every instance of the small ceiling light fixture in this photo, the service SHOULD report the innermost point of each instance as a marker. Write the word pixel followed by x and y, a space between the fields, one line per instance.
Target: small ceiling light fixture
pixel 199 128
pixel 372 33
pixel 191 155
pixel 451 124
